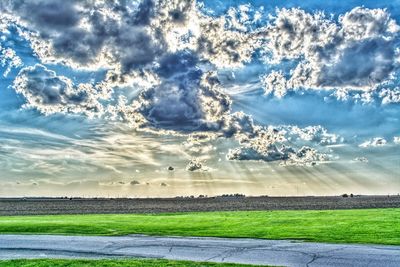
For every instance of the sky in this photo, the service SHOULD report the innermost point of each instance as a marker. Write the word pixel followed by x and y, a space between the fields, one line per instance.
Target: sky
pixel 154 98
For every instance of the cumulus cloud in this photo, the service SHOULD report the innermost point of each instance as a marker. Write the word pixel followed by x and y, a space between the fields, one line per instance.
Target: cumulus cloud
pixel 361 23
pixel 358 52
pixel 196 165
pixel 214 39
pixel 305 156
pixel 271 153
pixel 108 32
pixel 317 134
pixel 396 139
pixel 385 94
pixel 271 144
pixel 9 60
pixel 134 182
pixel 361 159
pixel 294 33
pixel 363 64
pixel 257 142
pixel 49 93
pixel 186 100
pixel 225 48
pixel 374 142
pixel 389 96
pixel 275 83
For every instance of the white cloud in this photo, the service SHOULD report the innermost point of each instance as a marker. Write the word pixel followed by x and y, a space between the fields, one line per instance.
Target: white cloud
pixel 356 53
pixel 196 165
pixel 361 159
pixel 110 34
pixel 396 139
pixel 390 95
pixel 9 60
pixel 49 93
pixel 317 134
pixel 374 142
pixel 270 153
pixel 225 48
pixel 271 144
pixel 275 83
pixel 305 156
pixel 361 23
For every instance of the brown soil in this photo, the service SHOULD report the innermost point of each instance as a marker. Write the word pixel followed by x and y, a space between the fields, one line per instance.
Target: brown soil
pixel 36 206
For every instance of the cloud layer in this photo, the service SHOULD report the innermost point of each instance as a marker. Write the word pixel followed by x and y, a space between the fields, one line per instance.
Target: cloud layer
pixel 163 59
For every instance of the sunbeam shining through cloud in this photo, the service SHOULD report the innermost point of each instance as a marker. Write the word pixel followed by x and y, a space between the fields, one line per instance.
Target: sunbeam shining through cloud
pixel 184 97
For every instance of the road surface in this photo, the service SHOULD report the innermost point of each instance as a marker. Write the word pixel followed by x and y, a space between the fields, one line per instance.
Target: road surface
pixel 251 251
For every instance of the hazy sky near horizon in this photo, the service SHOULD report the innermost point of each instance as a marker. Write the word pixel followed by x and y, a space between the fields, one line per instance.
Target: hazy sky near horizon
pixel 100 98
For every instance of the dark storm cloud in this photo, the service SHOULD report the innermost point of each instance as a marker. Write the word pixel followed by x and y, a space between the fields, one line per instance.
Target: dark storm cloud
pixel 187 99
pixel 48 15
pixel 58 22
pixel 134 48
pixel 179 62
pixel 173 104
pixel 145 10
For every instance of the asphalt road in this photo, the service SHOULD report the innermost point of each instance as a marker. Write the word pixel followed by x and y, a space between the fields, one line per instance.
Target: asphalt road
pixel 251 251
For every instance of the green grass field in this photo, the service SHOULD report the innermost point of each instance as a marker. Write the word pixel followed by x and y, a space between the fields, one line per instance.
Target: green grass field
pixel 377 226
pixel 113 263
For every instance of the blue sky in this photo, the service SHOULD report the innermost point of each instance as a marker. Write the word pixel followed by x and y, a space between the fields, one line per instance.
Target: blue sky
pixel 255 97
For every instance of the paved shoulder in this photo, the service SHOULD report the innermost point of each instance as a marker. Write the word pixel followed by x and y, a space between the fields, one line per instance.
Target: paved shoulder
pixel 251 251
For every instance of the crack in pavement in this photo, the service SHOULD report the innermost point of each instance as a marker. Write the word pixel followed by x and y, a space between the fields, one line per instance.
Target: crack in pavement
pixel 314 257
pixel 232 252
pixel 221 255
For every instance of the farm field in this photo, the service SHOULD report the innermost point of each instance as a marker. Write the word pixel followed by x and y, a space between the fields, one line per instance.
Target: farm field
pixel 366 226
